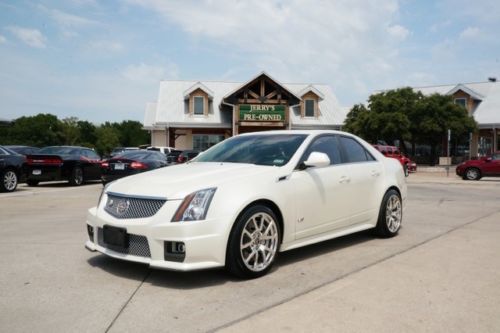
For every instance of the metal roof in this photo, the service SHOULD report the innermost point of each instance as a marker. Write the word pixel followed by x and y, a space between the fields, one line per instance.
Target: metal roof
pixel 172 107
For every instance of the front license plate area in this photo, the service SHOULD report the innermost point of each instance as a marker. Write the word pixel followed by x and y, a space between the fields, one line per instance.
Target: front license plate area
pixel 114 236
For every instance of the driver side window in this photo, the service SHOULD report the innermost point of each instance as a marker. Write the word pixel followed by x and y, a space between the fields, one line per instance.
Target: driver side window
pixel 327 144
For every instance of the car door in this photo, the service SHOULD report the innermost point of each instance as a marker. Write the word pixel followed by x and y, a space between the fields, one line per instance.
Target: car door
pixel 492 167
pixel 364 183
pixel 320 201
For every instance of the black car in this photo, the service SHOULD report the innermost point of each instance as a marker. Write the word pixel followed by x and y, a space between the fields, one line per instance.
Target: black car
pixel 74 164
pixel 120 150
pixel 11 164
pixel 173 156
pixel 187 155
pixel 131 163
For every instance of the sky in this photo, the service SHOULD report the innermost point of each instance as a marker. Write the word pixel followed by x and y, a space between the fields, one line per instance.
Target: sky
pixel 103 60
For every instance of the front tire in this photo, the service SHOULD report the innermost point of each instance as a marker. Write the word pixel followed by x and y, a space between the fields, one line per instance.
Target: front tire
pixel 472 174
pixel 9 181
pixel 253 243
pixel 76 177
pixel 390 216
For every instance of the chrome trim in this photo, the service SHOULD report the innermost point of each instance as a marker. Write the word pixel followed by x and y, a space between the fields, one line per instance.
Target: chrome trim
pixel 133 196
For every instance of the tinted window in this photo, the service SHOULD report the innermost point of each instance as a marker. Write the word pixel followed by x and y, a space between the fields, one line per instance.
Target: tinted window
pixel 266 149
pixel 59 150
pixel 92 155
pixel 496 157
pixel 136 155
pixel 198 105
pixel 328 145
pixel 309 108
pixel 3 152
pixel 354 151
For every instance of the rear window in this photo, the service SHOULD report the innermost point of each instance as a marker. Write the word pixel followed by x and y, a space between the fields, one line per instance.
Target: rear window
pixel 59 150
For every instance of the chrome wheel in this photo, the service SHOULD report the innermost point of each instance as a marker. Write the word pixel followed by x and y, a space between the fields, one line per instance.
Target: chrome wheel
pixel 10 180
pixel 472 174
pixel 259 241
pixel 393 213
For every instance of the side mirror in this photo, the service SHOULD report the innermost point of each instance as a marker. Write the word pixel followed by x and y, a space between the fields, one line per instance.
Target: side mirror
pixel 488 159
pixel 317 159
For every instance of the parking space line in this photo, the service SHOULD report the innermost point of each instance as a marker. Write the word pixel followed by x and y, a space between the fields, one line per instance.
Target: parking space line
pixel 148 273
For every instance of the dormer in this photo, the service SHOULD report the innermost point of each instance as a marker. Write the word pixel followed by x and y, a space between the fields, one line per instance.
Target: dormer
pixel 466 97
pixel 309 103
pixel 198 97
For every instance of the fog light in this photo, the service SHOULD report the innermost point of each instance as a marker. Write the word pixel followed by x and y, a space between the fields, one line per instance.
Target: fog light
pixel 90 231
pixel 174 251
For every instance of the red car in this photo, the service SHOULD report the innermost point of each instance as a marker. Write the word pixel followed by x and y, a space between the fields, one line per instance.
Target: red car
pixel 394 152
pixel 488 166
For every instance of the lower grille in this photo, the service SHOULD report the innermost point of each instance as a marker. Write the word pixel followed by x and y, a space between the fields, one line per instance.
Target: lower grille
pixel 138 245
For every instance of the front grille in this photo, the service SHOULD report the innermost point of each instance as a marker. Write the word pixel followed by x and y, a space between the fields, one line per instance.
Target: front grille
pixel 123 207
pixel 137 245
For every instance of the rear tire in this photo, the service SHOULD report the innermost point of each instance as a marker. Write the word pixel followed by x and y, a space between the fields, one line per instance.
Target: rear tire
pixel 405 169
pixel 76 177
pixel 390 216
pixel 8 180
pixel 253 243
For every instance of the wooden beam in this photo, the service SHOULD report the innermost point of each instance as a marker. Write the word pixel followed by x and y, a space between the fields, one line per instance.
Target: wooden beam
pixel 254 95
pixel 272 94
pixel 262 88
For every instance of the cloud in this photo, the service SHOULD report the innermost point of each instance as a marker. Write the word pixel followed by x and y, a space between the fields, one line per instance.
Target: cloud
pixel 149 73
pixel 105 46
pixel 398 31
pixel 2 39
pixel 295 40
pixel 470 33
pixel 31 37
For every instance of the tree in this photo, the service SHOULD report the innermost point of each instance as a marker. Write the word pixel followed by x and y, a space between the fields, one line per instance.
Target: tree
pixel 131 133
pixel 87 130
pixel 40 130
pixel 436 114
pixel 70 133
pixel 107 139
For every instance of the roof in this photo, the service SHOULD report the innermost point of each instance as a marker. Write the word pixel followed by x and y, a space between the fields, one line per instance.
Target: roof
pixel 487 112
pixel 171 108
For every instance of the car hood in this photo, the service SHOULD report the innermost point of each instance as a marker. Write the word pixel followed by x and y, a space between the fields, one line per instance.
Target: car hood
pixel 175 182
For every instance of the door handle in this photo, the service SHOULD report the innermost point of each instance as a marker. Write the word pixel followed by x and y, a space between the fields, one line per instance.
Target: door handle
pixel 344 179
pixel 375 173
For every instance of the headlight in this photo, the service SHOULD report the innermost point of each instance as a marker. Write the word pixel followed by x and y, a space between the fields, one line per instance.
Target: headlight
pixel 195 206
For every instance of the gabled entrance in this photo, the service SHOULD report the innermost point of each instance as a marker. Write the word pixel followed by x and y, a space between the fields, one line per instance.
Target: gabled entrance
pixel 261 104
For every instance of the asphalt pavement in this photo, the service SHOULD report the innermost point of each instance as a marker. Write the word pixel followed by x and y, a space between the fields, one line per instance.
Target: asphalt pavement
pixel 441 273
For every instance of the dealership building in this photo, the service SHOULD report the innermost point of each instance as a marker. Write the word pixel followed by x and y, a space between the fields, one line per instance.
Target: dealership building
pixel 198 114
pixel 482 101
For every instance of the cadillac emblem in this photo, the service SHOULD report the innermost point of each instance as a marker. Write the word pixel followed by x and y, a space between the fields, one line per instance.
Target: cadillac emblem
pixel 122 207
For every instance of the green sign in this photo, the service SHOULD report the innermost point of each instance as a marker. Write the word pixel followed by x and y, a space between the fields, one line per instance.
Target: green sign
pixel 262 112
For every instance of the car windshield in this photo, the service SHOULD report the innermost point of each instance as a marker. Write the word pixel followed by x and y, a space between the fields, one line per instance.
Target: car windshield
pixel 58 150
pixel 270 149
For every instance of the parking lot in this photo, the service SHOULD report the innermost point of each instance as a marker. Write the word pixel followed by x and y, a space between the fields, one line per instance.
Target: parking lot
pixel 442 273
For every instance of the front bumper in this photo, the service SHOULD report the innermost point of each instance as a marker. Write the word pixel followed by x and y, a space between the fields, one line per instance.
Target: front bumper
pixel 204 241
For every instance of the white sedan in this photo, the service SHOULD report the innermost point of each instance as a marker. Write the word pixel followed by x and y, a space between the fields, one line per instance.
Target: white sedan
pixel 249 197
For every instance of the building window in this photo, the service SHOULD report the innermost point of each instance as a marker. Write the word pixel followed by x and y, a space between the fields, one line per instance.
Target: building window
pixel 203 142
pixel 309 108
pixel 461 102
pixel 199 102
